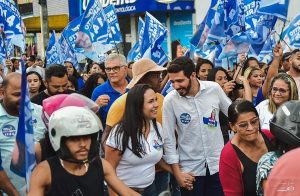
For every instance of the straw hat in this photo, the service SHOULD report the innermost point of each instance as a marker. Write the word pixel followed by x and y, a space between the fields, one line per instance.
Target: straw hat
pixel 141 68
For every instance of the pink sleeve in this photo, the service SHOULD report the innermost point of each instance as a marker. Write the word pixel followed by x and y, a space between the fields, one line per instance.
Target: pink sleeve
pixel 230 172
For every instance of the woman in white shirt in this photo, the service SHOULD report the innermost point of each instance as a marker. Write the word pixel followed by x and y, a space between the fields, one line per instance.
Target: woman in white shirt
pixel 135 144
pixel 282 89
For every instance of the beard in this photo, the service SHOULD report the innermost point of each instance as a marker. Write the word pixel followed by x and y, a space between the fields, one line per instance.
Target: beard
pixel 296 67
pixel 185 90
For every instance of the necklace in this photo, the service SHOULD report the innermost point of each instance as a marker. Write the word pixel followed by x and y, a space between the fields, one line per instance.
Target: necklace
pixel 85 165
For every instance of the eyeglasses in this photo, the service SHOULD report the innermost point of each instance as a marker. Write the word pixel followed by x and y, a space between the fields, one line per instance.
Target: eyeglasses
pixel 113 69
pixel 254 123
pixel 280 90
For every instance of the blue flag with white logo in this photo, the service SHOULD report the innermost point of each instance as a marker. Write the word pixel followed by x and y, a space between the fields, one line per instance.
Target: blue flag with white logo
pixel 93 32
pixel 153 32
pixel 11 22
pixel 153 36
pixel 277 8
pixel 135 53
pixel 53 52
pixel 291 34
pixel 201 34
pixel 67 52
pixel 266 54
pixel 115 36
pixel 23 156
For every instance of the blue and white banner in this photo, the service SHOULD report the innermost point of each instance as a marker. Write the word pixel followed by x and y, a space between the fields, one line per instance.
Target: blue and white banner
pixel 93 32
pixel 153 32
pixel 153 36
pixel 11 22
pixel 67 52
pixel 53 52
pixel 135 54
pixel 277 8
pixel 111 18
pixel 291 34
pixel 266 54
pixel 77 7
pixel 23 156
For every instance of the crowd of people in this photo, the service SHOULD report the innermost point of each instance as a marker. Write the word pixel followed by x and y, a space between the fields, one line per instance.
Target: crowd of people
pixel 108 130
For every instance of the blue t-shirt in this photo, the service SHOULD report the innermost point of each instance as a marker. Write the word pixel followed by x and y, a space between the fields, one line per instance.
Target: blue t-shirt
pixel 105 89
pixel 80 83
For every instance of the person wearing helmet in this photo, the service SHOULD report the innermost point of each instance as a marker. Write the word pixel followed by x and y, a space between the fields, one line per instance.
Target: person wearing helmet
pixel 77 169
pixel 43 148
pixel 285 126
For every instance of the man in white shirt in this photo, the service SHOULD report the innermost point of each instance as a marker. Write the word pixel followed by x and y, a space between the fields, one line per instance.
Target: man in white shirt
pixel 193 109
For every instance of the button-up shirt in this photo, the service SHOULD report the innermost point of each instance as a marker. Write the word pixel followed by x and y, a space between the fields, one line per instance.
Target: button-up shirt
pixel 196 119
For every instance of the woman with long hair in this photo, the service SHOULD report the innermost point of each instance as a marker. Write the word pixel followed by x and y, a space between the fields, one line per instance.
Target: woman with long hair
pixel 254 76
pixel 283 88
pixel 92 82
pixel 73 72
pixel 135 144
pixel 35 83
pixel 239 157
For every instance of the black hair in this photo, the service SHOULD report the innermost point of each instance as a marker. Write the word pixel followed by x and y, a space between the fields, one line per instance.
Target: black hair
pixel 174 45
pixel 240 107
pixel 75 73
pixel 246 64
pixel 90 65
pixel 184 64
pixel 212 74
pixel 132 123
pixel 74 82
pixel 13 60
pixel 55 70
pixel 42 86
pixel 91 84
pixel 200 62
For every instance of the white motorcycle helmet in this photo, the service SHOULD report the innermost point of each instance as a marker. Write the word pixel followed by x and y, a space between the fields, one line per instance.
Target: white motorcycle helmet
pixel 73 121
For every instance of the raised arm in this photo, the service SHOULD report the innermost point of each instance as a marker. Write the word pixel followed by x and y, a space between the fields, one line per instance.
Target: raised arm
pixel 273 69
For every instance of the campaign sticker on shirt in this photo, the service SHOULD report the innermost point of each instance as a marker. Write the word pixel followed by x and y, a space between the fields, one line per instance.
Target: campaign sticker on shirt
pixel 211 120
pixel 9 130
pixel 157 146
pixel 185 118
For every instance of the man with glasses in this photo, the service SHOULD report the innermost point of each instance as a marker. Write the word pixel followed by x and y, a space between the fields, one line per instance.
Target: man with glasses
pixel 105 94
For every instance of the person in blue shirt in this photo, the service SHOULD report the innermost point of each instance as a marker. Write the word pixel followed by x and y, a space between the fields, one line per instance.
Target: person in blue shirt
pixel 105 94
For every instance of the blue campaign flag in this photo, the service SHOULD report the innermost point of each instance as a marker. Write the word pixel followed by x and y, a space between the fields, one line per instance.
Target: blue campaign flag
pixel 266 53
pixel 277 8
pixel 23 156
pixel 70 32
pixel 93 32
pixel 291 34
pixel 135 53
pixel 115 36
pixel 167 88
pixel 11 22
pixel 67 54
pixel 153 31
pixel 201 34
pixel 53 52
